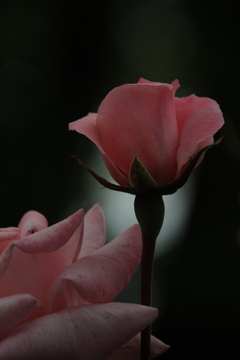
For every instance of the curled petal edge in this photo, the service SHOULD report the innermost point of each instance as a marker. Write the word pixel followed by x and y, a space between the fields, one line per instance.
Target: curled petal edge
pixel 36 242
pixel 89 275
pixel 131 350
pixel 103 329
pixel 14 309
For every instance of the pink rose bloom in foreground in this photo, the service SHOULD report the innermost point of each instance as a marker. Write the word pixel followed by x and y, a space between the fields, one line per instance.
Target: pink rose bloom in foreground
pixel 146 120
pixel 55 287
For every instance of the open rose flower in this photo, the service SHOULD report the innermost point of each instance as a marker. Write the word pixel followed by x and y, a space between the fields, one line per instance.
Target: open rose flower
pixel 147 136
pixel 55 287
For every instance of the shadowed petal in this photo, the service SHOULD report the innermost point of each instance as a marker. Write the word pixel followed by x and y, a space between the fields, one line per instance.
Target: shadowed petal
pixel 94 231
pixel 100 276
pixel 131 350
pixel 90 332
pixel 87 127
pixel 7 235
pixel 14 309
pixel 116 174
pixel 198 120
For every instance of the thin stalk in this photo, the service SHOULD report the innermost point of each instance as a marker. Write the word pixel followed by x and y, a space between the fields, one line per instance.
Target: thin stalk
pixel 149 210
pixel 146 291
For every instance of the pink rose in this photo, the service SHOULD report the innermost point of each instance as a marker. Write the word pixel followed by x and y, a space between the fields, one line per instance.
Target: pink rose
pixel 146 120
pixel 55 287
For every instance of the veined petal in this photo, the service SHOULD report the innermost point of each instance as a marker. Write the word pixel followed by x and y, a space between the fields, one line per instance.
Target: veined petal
pixel 87 332
pixel 7 235
pixel 39 258
pixel 131 350
pixel 51 238
pixel 94 231
pixel 14 309
pixel 100 276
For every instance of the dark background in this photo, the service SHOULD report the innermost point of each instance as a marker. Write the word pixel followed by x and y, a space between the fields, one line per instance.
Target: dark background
pixel 58 59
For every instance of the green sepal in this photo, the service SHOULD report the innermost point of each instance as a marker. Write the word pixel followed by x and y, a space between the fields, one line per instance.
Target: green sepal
pixel 106 183
pixel 139 177
pixel 142 180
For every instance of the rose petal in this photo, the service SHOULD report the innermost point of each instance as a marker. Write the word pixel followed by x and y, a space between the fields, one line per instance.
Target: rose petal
pixel 37 271
pixel 131 350
pixel 32 222
pixel 94 231
pixel 116 174
pixel 10 233
pixel 14 309
pixel 7 235
pixel 87 332
pixel 53 237
pixel 198 120
pixel 100 276
pixel 87 126
pixel 131 109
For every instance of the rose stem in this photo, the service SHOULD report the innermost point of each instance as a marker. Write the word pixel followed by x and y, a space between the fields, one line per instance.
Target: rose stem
pixel 146 292
pixel 149 210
